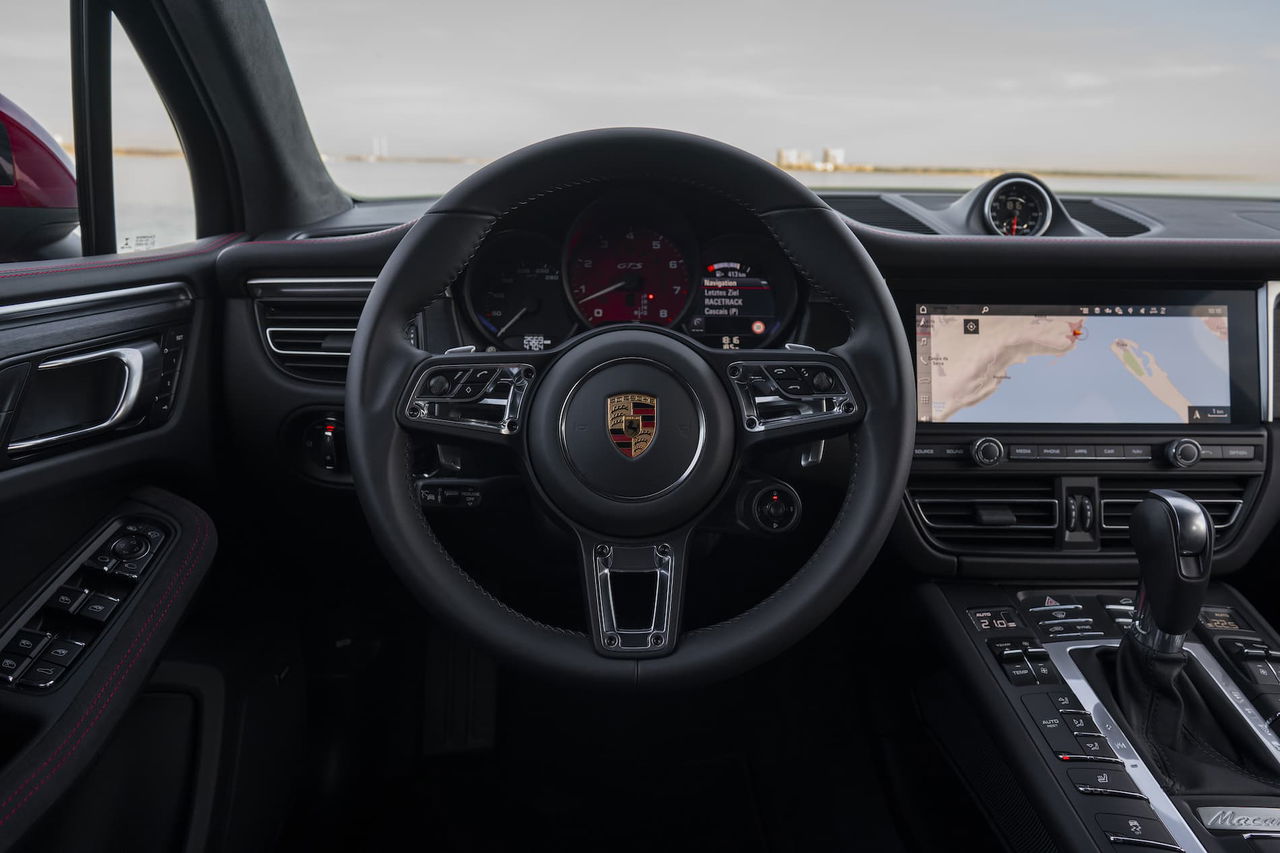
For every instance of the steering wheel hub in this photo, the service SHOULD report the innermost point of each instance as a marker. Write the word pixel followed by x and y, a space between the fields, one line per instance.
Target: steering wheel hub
pixel 631 432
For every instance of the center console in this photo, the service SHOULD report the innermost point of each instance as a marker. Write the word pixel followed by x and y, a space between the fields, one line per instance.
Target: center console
pixel 1046 411
pixel 1072 438
pixel 1038 656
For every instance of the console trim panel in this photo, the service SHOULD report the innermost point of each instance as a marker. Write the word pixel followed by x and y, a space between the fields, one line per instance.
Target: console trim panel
pixel 1166 811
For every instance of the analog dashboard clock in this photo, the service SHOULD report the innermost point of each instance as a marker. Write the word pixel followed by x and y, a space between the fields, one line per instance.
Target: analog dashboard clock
pixel 1018 208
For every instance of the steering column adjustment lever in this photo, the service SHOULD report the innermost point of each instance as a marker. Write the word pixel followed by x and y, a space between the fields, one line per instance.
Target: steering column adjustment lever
pixel 1173 537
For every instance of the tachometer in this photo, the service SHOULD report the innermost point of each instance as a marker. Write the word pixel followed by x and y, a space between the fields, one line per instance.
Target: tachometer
pixel 515 293
pixel 1018 208
pixel 619 271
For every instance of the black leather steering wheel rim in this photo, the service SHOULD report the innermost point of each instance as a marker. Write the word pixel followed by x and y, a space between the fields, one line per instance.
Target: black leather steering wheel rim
pixel 434 253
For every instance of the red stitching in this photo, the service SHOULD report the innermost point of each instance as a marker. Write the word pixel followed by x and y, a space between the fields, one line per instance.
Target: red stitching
pixel 107 704
pixel 106 683
pixel 148 627
pixel 47 270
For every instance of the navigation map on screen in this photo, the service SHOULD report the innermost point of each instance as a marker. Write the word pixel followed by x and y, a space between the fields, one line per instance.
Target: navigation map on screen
pixel 1134 364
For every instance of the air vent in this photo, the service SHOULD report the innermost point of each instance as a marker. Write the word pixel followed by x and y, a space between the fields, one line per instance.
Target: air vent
pixel 993 514
pixel 874 210
pixel 1103 219
pixel 1224 498
pixel 307 325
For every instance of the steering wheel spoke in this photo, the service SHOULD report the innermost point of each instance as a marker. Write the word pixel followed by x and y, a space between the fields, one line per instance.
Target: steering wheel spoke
pixel 634 592
pixel 790 395
pixel 481 396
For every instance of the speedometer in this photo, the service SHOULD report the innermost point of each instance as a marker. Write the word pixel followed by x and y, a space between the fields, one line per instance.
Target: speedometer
pixel 618 270
pixel 515 294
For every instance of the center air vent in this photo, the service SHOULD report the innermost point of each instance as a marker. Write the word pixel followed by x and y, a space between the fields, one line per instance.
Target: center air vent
pixel 307 325
pixel 874 210
pixel 991 515
pixel 1224 498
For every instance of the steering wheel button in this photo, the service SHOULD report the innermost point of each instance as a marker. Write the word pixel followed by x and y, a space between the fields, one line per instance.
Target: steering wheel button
pixel 780 372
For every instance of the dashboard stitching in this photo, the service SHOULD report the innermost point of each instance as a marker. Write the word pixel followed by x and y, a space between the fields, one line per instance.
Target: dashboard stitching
pixel 28 271
pixel 368 235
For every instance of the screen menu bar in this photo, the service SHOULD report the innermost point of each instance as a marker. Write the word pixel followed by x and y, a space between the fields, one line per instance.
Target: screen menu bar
pixel 1090 310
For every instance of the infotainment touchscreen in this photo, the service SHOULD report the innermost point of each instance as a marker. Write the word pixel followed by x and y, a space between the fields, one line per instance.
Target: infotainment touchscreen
pixel 1115 364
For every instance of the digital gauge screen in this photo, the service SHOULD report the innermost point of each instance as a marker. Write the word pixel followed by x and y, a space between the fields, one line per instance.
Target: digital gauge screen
pixel 735 306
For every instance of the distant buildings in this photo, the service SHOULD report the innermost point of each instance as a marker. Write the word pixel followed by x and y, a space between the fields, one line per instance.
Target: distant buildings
pixel 798 160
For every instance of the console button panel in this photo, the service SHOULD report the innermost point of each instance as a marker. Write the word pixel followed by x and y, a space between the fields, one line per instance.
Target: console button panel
pixel 65 620
pixel 1012 630
pixel 1035 451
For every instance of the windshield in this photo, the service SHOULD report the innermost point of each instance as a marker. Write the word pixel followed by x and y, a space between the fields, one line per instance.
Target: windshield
pixel 1171 97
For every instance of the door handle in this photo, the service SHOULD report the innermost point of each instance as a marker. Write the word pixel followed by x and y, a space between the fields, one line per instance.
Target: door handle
pixel 133 359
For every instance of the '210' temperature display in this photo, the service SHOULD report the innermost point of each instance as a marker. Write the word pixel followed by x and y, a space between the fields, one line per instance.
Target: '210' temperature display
pixel 994 619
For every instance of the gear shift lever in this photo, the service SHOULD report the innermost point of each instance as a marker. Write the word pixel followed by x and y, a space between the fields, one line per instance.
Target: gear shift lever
pixel 1178 716
pixel 1173 537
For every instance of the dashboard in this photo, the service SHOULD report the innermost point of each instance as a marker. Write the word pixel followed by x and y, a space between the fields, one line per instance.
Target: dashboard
pixel 704 269
pixel 1033 475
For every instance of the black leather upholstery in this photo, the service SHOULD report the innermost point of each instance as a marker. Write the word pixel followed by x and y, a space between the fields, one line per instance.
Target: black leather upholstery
pixel 1192 738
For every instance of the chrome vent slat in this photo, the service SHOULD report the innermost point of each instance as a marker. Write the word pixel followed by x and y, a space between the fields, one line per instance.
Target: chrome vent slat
pixel 307 323
pixel 1225 512
pixel 991 515
pixel 1225 499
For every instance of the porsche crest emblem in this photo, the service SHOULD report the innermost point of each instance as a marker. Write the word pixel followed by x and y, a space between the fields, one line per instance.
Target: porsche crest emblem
pixel 632 420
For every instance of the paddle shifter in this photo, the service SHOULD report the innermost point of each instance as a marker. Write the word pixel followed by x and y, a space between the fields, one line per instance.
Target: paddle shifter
pixel 1173 537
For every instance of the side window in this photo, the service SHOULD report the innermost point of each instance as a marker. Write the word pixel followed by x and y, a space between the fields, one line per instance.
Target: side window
pixel 39 206
pixel 154 206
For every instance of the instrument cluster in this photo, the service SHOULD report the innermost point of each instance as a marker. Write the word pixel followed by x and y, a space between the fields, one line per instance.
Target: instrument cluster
pixel 631 259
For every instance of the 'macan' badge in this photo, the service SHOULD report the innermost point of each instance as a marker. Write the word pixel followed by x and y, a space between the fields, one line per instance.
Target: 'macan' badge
pixel 632 420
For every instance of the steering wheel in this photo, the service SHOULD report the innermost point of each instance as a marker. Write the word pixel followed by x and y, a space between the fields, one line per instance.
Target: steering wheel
pixel 629 434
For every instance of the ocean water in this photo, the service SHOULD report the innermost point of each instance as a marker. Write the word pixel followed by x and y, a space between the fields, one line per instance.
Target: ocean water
pixel 154 207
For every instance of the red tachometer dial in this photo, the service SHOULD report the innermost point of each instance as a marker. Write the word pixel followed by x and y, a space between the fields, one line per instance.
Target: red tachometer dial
pixel 623 274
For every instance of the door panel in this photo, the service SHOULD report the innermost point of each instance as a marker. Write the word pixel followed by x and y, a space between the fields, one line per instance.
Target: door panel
pixel 105 378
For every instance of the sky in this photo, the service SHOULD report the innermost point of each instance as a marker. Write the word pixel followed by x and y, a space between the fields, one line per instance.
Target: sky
pixel 1178 86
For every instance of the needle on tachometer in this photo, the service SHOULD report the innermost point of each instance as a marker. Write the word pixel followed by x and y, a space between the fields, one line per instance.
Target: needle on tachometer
pixel 610 289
